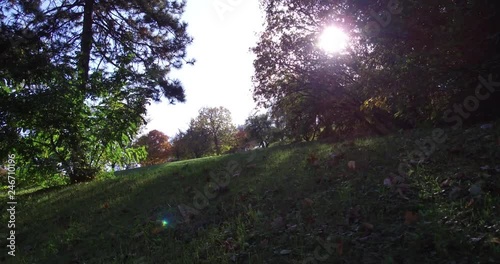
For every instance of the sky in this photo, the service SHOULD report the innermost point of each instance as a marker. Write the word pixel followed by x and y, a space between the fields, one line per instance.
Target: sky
pixel 223 32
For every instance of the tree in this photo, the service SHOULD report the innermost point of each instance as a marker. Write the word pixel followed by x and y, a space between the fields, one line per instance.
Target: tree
pixel 260 128
pixel 179 149
pixel 158 147
pixel 195 142
pixel 87 70
pixel 241 139
pixel 371 86
pixel 217 122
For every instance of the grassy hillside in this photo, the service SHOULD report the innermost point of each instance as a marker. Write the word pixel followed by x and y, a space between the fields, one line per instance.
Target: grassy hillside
pixel 302 203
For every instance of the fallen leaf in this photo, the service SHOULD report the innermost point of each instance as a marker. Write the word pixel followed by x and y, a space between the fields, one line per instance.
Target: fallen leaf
pixel 495 240
pixel 387 182
pixel 251 166
pixel 354 214
pixel 156 230
pixel 477 239
pixel 410 217
pixel 335 158
pixel 229 244
pixel 285 252
pixel 277 223
pixel 138 234
pixel 470 203
pixel 445 183
pixel 307 202
pixel 486 126
pixel 310 220
pixel 485 167
pixel 351 165
pixel 340 248
pixel 105 205
pixel 312 159
pixel 460 176
pixel 367 228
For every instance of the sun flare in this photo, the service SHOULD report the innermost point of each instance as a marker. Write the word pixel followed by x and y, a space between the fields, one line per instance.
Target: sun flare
pixel 333 40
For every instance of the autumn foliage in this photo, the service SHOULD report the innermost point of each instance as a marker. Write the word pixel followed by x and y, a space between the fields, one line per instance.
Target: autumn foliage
pixel 158 147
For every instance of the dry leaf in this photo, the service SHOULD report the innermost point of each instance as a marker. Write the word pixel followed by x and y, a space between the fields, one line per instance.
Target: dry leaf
pixel 470 203
pixel 312 159
pixel 410 217
pixel 278 223
pixel 351 165
pixel 307 202
pixel 354 214
pixel 340 248
pixel 387 182
pixel 367 226
pixel 156 230
pixel 445 183
pixel 251 166
pixel 495 240
pixel 138 234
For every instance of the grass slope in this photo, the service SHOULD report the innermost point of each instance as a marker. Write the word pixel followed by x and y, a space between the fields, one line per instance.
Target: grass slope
pixel 288 204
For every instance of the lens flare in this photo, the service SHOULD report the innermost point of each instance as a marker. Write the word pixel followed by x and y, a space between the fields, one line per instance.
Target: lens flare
pixel 333 40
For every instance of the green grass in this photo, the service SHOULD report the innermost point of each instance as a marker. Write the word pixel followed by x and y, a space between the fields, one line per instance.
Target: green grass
pixel 265 214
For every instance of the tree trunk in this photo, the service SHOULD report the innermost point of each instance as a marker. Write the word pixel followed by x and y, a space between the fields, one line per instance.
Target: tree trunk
pixel 217 145
pixel 82 175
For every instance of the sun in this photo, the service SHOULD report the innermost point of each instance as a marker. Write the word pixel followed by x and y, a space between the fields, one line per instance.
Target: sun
pixel 333 40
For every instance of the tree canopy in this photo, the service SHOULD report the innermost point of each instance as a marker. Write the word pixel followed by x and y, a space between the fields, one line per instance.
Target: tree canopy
pixel 372 86
pixel 77 76
pixel 158 147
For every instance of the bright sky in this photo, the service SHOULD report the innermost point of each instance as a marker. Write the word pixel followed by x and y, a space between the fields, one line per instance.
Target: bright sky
pixel 223 32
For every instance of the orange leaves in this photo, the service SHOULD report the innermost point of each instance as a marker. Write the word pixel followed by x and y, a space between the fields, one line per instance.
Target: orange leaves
pixel 410 217
pixel 312 159
pixel 157 145
pixel 156 230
